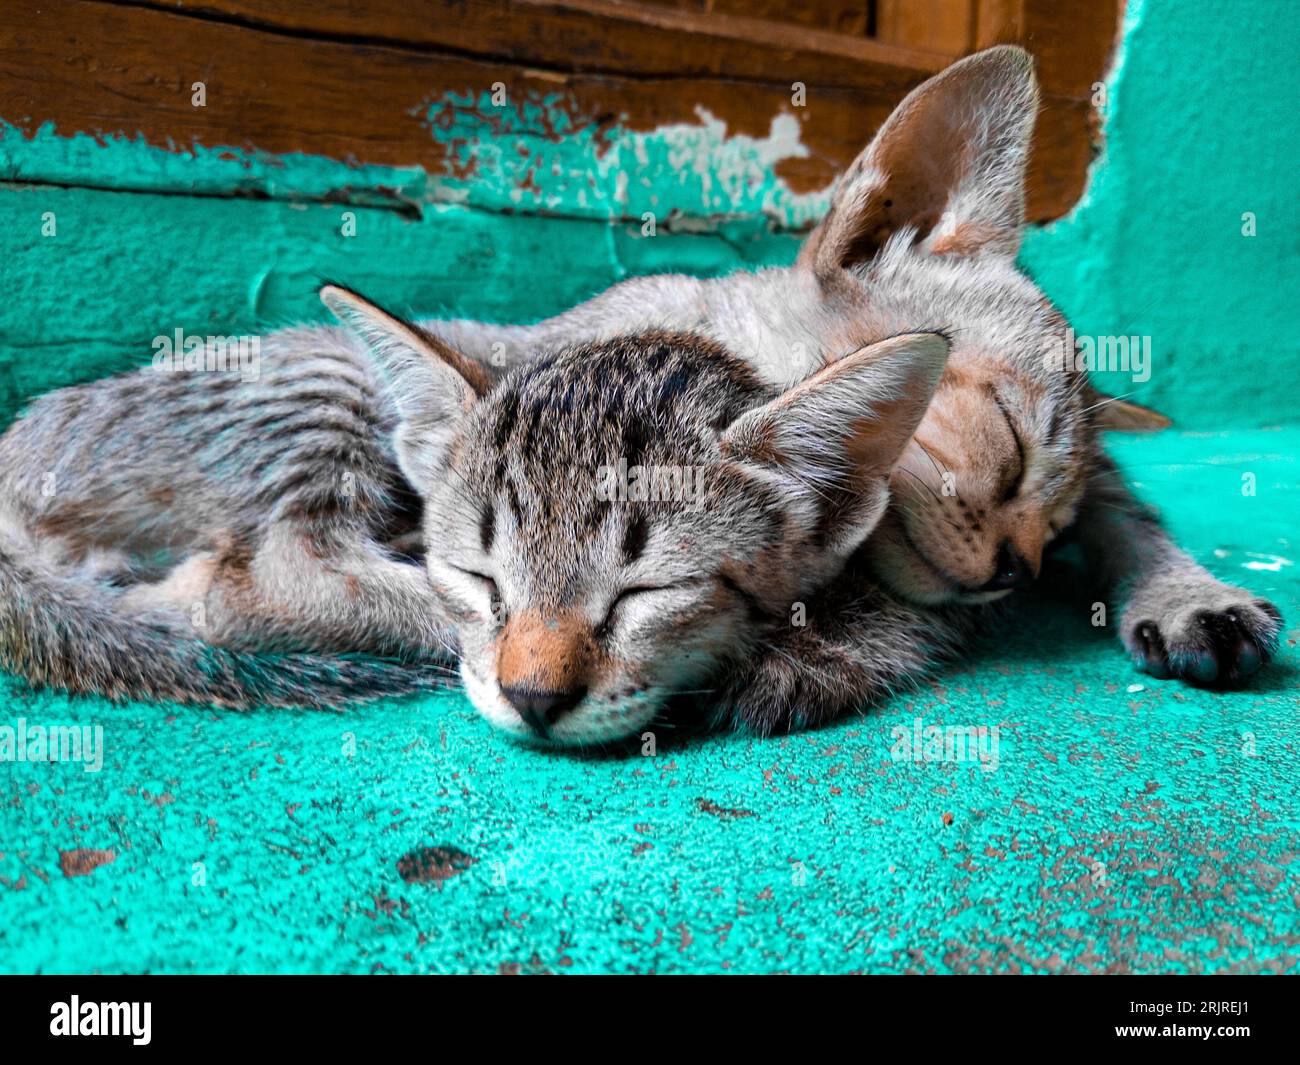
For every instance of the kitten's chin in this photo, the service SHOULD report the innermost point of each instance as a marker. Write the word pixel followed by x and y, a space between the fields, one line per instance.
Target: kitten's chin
pixel 977 598
pixel 906 571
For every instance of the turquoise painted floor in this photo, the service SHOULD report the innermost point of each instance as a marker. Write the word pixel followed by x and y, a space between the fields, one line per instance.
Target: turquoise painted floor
pixel 1130 825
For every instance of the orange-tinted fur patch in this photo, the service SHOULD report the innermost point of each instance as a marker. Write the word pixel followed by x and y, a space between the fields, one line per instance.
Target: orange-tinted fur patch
pixel 547 654
pixel 966 239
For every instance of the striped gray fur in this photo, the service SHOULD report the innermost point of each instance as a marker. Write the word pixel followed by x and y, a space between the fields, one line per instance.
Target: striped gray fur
pixel 199 536
pixel 922 234
pixel 372 504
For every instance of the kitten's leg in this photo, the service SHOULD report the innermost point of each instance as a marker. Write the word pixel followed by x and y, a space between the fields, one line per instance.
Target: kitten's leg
pixel 854 649
pixel 305 592
pixel 184 588
pixel 1175 618
pixel 338 591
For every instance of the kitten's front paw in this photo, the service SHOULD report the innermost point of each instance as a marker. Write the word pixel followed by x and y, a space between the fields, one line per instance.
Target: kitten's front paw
pixel 1204 632
pixel 799 685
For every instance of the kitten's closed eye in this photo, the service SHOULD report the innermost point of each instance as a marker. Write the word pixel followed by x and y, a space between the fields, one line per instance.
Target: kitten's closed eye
pixel 620 601
pixel 496 605
pixel 617 608
pixel 1015 477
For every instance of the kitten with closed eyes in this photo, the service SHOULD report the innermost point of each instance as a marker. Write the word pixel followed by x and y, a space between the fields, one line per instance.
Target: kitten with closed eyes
pixel 922 234
pixel 577 613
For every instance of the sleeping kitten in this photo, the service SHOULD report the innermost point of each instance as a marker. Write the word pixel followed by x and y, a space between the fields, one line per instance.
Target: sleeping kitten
pixel 922 233
pixel 601 530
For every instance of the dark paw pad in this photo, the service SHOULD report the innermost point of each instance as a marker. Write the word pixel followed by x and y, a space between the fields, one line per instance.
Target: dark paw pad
pixel 1216 648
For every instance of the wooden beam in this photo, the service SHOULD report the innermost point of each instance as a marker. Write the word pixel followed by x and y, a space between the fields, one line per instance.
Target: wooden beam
pixel 944 26
pixel 285 77
pixel 594 36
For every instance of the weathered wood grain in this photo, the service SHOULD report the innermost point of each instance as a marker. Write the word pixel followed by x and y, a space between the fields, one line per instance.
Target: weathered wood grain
pixel 285 76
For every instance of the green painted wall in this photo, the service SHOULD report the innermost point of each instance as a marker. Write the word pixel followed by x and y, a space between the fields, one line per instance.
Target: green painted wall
pixel 1201 127
pixel 1200 121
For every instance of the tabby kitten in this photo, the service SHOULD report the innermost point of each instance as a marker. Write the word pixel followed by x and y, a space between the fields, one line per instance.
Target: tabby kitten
pixel 600 531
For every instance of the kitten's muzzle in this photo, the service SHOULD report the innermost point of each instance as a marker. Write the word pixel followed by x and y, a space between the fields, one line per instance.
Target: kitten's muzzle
pixel 540 709
pixel 1011 570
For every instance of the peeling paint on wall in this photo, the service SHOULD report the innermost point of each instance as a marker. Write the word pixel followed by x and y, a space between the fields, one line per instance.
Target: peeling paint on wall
pixel 129 163
pixel 529 157
pixel 1200 130
pixel 538 159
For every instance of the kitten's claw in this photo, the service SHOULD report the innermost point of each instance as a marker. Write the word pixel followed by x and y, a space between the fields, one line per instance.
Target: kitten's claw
pixel 1151 656
pixel 1219 646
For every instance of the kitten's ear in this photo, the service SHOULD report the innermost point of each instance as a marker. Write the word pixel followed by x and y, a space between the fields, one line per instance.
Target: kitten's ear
pixel 1122 415
pixel 949 162
pixel 432 385
pixel 831 441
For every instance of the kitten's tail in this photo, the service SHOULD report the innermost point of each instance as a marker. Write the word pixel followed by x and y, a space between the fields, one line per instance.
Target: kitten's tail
pixel 58 632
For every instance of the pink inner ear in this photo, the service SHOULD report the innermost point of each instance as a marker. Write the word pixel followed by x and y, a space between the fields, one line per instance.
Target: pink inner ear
pixel 920 159
pixel 963 133
pixel 875 444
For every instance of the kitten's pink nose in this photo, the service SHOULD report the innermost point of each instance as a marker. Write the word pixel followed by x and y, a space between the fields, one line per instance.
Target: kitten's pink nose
pixel 542 709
